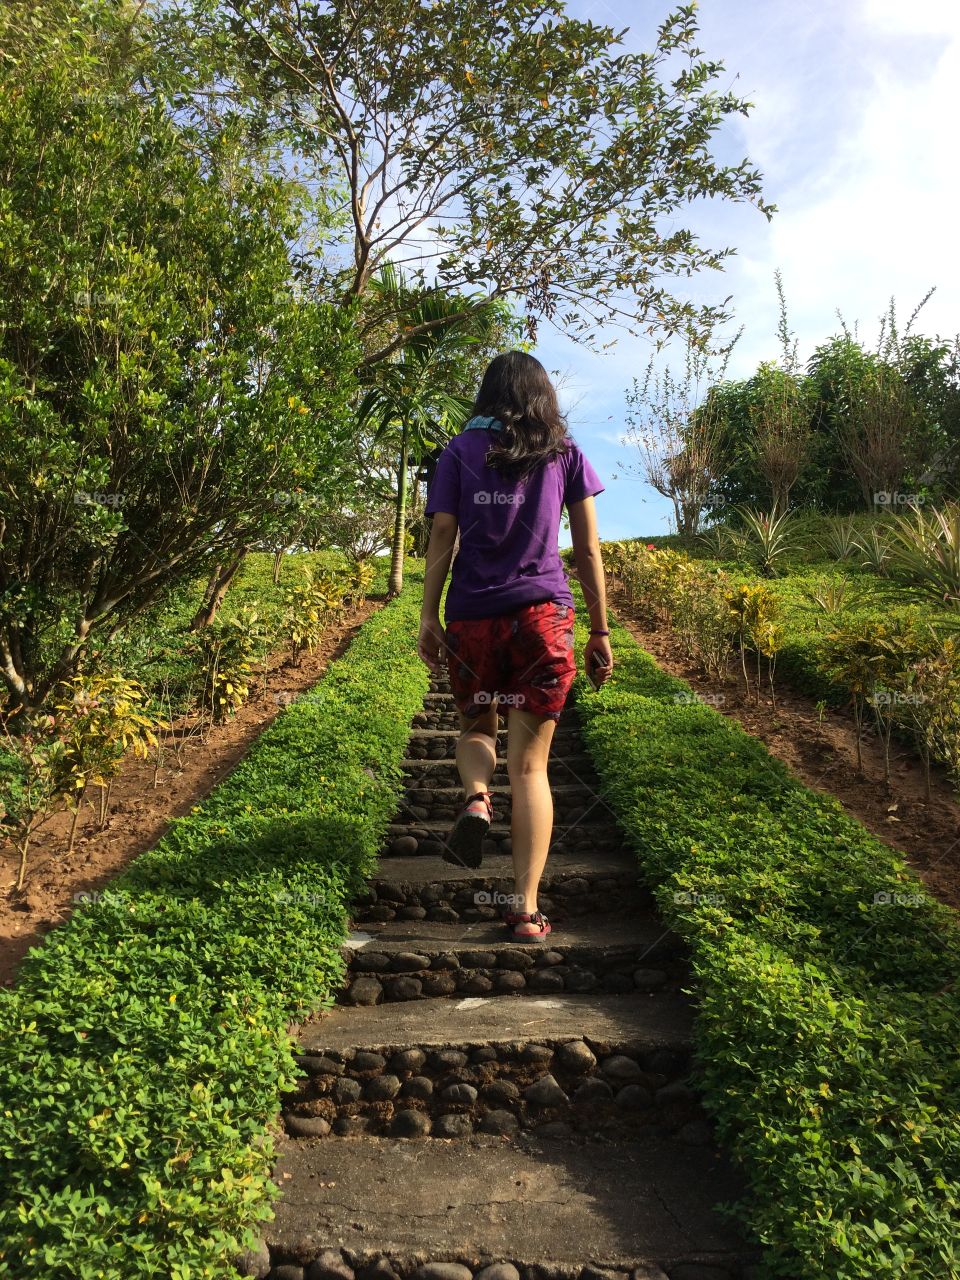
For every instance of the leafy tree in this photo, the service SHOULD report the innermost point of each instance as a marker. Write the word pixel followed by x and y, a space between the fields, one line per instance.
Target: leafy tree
pixel 496 151
pixel 161 376
pixel 779 409
pixel 931 369
pixel 414 398
pixel 679 435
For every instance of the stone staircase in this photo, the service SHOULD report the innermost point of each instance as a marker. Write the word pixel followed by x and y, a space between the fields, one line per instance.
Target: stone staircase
pixel 480 1109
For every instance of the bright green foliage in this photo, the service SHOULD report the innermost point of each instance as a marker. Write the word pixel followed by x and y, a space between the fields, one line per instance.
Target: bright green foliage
pixel 144 1051
pixel 771 536
pixel 828 1015
pixel 925 549
pixel 161 378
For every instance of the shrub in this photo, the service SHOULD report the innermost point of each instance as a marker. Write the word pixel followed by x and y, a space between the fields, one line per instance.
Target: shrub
pixel 771 537
pixel 145 1049
pixel 827 1017
pixel 226 648
pixel 926 550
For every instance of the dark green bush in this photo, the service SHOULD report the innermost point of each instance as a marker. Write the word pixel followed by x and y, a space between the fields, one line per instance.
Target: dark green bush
pixel 828 1018
pixel 144 1051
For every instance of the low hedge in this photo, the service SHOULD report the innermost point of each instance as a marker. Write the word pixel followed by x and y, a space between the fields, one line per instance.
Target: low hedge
pixel 828 1017
pixel 145 1048
pixel 800 660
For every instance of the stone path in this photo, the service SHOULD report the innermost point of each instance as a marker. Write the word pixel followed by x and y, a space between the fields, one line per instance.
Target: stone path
pixel 479 1109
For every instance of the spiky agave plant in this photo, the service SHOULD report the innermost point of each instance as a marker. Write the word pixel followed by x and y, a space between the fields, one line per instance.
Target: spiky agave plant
pixel 925 548
pixel 771 536
pixel 840 540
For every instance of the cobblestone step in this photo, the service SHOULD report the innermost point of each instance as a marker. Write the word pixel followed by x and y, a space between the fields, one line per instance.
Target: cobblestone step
pixel 426 888
pixel 560 1133
pixel 420 959
pixel 572 767
pixel 601 1067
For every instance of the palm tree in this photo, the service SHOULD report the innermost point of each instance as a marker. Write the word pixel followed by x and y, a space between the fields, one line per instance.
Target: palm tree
pixel 409 401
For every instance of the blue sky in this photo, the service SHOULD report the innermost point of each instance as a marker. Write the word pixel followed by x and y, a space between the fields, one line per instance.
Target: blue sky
pixel 854 128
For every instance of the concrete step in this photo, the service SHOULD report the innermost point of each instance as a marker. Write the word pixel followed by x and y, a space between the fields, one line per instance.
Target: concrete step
pixel 537 1202
pixel 630 1022
pixel 606 936
pixel 421 870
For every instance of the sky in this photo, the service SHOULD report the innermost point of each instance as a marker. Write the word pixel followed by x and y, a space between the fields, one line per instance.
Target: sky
pixel 854 128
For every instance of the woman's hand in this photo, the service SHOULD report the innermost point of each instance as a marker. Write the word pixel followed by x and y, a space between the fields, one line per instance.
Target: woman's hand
pixel 432 644
pixel 599 645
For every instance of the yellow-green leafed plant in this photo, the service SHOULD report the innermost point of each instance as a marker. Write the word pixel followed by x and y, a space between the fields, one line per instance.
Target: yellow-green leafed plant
pixel 360 580
pixel 99 718
pixel 753 611
pixel 309 607
pixel 226 649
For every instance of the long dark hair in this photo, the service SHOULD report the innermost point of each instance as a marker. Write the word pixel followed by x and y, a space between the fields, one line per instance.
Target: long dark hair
pixel 517 390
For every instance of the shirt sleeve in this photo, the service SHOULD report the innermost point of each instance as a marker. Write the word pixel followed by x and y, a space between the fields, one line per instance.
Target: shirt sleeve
pixel 582 480
pixel 443 493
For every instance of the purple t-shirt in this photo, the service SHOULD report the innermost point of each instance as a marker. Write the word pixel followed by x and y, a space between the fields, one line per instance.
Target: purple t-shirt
pixel 509 553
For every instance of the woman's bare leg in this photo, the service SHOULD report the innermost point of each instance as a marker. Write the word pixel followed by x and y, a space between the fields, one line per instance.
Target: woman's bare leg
pixel 528 750
pixel 477 750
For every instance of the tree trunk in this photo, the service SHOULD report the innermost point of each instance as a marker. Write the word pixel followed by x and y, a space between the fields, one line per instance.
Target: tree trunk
pixel 220 579
pixel 399 525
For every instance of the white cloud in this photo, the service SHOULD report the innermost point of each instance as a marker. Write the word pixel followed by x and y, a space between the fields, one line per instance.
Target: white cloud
pixel 873 215
pixel 927 17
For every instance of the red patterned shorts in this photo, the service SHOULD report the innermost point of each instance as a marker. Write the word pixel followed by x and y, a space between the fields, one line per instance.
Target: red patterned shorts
pixel 522 659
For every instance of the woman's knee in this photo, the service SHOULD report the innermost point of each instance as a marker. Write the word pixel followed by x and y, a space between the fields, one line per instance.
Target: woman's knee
pixel 485 725
pixel 526 768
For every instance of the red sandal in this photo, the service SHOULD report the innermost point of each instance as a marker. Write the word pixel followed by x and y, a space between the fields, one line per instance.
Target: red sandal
pixel 514 918
pixel 465 846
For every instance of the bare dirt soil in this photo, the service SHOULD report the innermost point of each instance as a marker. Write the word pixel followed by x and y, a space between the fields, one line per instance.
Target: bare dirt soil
pixel 144 800
pixel 821 750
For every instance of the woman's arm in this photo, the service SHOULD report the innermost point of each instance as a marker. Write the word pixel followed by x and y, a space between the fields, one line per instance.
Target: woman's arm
pixel 431 643
pixel 586 550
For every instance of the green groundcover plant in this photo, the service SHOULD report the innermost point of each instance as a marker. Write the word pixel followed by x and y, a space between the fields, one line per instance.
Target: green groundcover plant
pixel 828 1016
pixel 144 1050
